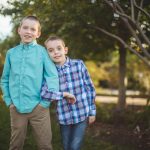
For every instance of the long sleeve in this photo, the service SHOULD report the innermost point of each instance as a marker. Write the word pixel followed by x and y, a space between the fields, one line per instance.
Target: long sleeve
pixel 50 76
pixel 90 89
pixel 5 81
pixel 50 95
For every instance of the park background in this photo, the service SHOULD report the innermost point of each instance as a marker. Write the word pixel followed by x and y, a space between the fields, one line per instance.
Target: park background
pixel 113 38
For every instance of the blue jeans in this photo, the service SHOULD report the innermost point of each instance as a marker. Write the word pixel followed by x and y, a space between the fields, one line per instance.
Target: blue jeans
pixel 72 135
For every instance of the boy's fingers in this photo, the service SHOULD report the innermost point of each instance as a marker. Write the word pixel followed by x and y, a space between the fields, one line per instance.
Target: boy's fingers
pixel 72 100
pixel 91 119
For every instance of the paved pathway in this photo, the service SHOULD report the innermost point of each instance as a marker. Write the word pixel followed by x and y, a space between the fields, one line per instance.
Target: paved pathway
pixel 129 100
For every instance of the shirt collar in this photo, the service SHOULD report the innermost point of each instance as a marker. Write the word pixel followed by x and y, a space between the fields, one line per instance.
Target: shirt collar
pixel 66 64
pixel 26 46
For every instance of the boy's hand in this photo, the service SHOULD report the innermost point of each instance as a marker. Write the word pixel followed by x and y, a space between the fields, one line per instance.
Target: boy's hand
pixel 11 106
pixel 92 119
pixel 69 97
pixel 71 100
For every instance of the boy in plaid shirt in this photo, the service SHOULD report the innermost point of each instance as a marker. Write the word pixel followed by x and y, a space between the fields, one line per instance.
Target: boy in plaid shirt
pixel 73 115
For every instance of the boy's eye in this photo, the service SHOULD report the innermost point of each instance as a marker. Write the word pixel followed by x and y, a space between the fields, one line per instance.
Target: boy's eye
pixel 33 29
pixel 50 50
pixel 59 48
pixel 25 27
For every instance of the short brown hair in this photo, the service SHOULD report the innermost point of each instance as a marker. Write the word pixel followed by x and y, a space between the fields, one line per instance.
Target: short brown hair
pixel 53 38
pixel 32 18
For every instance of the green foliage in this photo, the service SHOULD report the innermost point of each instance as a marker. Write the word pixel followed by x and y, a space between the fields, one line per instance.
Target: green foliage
pixel 4 127
pixel 131 117
pixel 143 119
pixel 104 72
pixel 104 112
pixel 69 19
pixel 138 75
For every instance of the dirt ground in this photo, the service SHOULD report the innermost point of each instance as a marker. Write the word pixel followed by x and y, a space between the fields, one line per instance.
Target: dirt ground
pixel 135 138
pixel 119 133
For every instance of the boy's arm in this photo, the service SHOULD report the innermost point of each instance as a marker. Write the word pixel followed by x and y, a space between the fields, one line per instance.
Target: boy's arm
pixel 5 81
pixel 50 73
pixel 56 96
pixel 50 76
pixel 90 89
pixel 50 95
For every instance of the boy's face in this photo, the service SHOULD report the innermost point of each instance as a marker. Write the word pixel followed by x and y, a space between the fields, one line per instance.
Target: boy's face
pixel 29 31
pixel 57 51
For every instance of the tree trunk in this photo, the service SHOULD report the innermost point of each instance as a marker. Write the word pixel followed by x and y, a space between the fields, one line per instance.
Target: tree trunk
pixel 122 74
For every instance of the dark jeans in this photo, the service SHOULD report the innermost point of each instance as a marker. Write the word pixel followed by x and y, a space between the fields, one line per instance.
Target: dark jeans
pixel 72 135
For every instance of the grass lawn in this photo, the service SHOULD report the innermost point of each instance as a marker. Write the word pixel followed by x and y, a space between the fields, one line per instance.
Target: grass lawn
pixel 98 136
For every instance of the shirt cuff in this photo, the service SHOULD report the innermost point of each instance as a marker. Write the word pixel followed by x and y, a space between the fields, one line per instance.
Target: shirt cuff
pixel 92 113
pixel 8 101
pixel 53 84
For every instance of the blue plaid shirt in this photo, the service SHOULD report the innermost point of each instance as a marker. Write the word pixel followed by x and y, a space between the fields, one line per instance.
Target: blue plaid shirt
pixel 73 78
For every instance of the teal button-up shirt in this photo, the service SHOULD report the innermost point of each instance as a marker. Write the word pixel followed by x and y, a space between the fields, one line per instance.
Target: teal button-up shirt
pixel 26 65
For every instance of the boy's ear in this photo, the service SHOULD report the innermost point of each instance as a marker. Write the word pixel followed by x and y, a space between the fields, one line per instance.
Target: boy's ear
pixel 66 50
pixel 38 35
pixel 18 30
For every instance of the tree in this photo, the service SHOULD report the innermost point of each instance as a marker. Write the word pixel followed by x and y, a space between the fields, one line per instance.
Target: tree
pixel 133 17
pixel 69 19
pixel 81 24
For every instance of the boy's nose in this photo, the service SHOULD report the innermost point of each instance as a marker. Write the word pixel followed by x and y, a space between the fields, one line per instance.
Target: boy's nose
pixel 29 31
pixel 55 52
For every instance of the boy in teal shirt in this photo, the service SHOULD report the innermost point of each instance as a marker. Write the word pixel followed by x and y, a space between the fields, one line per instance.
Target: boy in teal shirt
pixel 26 65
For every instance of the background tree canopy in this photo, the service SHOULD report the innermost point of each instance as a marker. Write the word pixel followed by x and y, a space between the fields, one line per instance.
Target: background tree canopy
pixel 87 28
pixel 80 23
pixel 70 20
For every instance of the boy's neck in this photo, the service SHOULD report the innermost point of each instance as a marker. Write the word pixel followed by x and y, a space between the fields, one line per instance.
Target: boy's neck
pixel 34 41
pixel 62 63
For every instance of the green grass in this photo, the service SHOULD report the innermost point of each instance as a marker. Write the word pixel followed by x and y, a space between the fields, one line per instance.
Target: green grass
pixel 91 141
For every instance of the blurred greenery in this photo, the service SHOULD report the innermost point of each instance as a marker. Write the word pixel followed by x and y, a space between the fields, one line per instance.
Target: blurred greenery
pixel 71 20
